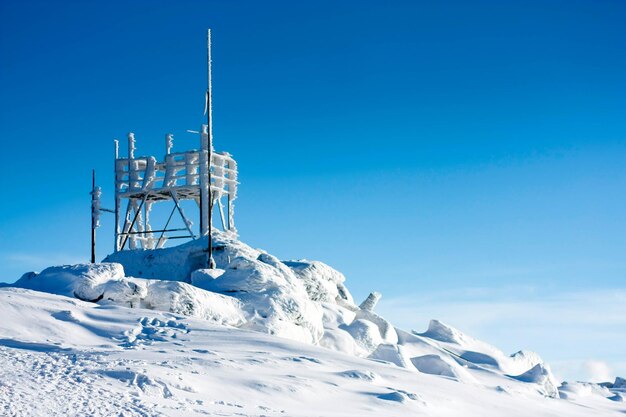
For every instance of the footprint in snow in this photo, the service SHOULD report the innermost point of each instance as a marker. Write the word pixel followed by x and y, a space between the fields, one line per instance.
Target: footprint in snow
pixel 146 384
pixel 152 330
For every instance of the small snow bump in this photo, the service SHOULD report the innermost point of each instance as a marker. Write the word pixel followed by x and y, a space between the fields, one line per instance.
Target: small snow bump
pixel 356 374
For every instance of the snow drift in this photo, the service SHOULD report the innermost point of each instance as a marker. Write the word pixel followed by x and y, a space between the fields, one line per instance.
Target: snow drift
pixel 305 301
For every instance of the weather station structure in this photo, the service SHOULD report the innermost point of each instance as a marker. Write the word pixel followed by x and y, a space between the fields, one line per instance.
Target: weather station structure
pixel 203 175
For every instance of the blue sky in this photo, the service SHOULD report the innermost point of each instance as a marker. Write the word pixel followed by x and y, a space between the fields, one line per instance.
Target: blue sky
pixel 464 156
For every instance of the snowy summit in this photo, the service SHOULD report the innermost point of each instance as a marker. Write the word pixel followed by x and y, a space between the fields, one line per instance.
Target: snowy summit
pixel 145 333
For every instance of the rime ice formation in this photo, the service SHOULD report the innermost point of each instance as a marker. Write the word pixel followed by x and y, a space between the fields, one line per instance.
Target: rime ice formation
pixel 302 301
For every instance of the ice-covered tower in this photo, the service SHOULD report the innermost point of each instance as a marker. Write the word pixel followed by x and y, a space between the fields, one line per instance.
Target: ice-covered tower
pixel 203 175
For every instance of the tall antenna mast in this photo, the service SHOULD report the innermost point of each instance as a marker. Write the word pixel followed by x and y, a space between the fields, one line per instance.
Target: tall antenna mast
pixel 209 110
pixel 94 221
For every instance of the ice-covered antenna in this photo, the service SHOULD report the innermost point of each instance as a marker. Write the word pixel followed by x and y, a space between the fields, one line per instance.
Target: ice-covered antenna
pixel 209 110
pixel 95 214
pixel 141 181
pixel 96 210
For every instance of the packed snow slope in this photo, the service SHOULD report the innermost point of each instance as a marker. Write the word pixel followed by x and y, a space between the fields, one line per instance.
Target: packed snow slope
pixel 147 333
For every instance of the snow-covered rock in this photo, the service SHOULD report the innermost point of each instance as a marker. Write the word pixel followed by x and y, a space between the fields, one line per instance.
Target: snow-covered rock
pixel 88 282
pixel 321 282
pixel 106 284
pixel 185 299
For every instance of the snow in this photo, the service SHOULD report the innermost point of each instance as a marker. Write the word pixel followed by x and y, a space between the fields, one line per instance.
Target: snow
pixel 107 284
pixel 152 333
pixel 540 375
pixel 321 282
pixel 370 302
pixel 60 356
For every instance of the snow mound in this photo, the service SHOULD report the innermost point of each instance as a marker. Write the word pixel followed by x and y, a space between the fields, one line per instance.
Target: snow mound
pixel 185 299
pixel 472 353
pixel 444 333
pixel 385 328
pixel 356 374
pixel 86 282
pixel 395 354
pixel 365 334
pixel 620 383
pixel 614 391
pixel 274 299
pixel 273 296
pixel 580 390
pixel 434 365
pixel 321 282
pixel 305 301
pixel 106 284
pixel 540 375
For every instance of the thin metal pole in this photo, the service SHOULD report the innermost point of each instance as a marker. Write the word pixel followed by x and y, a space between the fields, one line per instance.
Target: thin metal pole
pixel 93 216
pixel 117 199
pixel 211 262
pixel 228 201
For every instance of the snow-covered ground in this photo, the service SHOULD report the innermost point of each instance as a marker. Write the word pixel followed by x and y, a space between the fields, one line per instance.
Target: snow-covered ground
pixel 152 335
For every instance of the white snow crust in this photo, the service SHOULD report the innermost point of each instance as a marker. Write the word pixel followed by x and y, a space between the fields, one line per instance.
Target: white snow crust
pixel 152 333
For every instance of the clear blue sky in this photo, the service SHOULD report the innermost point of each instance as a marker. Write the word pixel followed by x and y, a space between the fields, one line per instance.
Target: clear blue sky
pixel 467 148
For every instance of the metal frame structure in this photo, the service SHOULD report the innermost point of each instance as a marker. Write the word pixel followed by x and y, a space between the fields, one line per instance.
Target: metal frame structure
pixel 142 181
pixel 202 175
